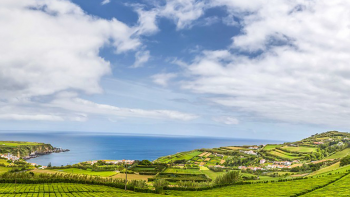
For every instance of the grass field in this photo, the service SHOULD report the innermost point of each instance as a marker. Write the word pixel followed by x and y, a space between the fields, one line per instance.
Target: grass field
pixel 179 156
pixel 326 169
pixel 132 176
pixel 282 154
pixel 14 144
pixel 183 171
pixel 339 154
pixel 87 172
pixel 288 188
pixel 301 149
pixel 64 190
pixel 339 188
pixel 233 148
pixel 271 146
pixel 4 161
pixel 4 169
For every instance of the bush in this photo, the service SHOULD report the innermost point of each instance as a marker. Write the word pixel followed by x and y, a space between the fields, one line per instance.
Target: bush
pixel 159 185
pixel 345 160
pixel 228 178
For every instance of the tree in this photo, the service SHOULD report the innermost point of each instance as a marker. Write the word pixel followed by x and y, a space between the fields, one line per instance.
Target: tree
pixel 345 160
pixel 145 162
pixel 49 165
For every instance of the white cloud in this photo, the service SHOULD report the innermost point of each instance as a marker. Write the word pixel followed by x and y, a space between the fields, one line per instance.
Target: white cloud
pixel 226 120
pixel 49 46
pixel 182 12
pixel 302 72
pixel 141 57
pixel 52 46
pixel 84 106
pixel 104 2
pixel 163 78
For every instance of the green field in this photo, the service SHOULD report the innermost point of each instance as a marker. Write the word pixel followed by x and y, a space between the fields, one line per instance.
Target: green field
pixel 282 154
pixel 326 169
pixel 288 188
pixel 333 169
pixel 301 149
pixel 179 156
pixel 64 190
pixel 271 146
pixel 14 144
pixel 183 171
pixel 339 154
pixel 87 172
pixel 339 188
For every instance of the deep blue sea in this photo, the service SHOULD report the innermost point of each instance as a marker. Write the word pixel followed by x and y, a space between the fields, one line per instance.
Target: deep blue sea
pixel 92 146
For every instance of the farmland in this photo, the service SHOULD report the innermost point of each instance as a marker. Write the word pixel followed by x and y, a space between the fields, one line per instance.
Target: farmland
pixel 339 154
pixel 271 146
pixel 15 144
pixel 301 149
pixel 283 154
pixel 64 189
pixel 287 188
pixel 86 172
pixel 339 188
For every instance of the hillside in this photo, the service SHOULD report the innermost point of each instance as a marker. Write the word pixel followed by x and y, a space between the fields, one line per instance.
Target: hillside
pixel 315 166
pixel 22 149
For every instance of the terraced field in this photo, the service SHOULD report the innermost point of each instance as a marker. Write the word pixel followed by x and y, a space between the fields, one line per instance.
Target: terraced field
pixel 283 154
pixel 271 146
pixel 301 149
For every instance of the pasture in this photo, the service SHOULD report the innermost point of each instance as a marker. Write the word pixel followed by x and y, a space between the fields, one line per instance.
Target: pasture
pixel 87 172
pixel 183 171
pixel 283 154
pixel 301 149
pixel 271 146
pixel 15 143
pixel 339 154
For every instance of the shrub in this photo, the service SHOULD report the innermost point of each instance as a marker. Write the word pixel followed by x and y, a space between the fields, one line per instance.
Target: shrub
pixel 228 178
pixel 345 160
pixel 159 185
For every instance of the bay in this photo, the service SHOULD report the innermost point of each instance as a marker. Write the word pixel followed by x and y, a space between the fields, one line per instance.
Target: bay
pixel 98 146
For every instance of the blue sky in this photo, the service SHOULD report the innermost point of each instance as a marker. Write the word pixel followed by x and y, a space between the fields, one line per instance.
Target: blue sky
pixel 276 70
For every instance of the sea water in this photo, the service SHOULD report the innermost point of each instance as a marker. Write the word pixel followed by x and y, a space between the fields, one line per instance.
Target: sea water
pixel 97 146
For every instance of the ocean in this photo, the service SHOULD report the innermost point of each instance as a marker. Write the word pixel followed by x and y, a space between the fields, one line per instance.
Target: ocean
pixel 97 146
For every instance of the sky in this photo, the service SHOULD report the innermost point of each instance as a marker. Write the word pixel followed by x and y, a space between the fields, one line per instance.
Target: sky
pixel 257 69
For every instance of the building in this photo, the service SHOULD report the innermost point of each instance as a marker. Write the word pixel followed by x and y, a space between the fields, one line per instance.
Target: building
pixel 262 161
pixel 250 152
pixel 317 143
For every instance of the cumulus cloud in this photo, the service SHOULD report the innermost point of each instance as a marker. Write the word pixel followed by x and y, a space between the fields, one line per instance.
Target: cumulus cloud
pixel 163 78
pixel 51 46
pixel 226 120
pixel 182 12
pixel 297 66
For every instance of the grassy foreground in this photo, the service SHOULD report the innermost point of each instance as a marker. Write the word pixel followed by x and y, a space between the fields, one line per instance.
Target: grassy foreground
pixel 64 189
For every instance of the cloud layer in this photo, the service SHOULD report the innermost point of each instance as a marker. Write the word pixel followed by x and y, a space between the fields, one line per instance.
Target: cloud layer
pixel 290 63
pixel 52 46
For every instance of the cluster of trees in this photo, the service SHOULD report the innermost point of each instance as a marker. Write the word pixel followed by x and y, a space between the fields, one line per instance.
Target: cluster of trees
pixel 345 160
pixel 241 161
pixel 311 167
